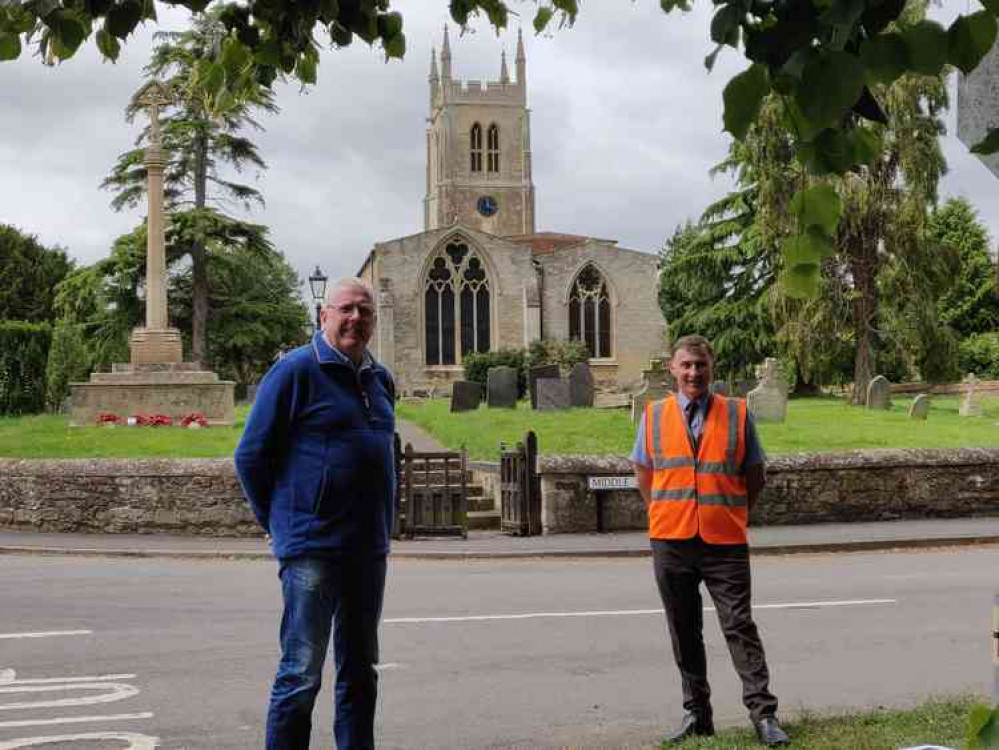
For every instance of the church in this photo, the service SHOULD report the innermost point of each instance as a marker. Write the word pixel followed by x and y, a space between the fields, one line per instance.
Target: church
pixel 480 276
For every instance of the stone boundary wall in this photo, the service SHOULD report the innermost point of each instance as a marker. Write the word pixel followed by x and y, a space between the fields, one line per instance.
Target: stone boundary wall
pixel 871 485
pixel 202 496
pixel 940 389
pixel 124 496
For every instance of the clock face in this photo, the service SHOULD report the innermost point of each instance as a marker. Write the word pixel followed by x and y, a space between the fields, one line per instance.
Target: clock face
pixel 487 205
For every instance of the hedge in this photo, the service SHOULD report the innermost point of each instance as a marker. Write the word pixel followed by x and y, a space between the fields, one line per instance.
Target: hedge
pixel 24 352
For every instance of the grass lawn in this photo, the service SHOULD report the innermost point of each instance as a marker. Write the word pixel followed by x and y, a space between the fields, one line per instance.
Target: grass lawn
pixel 937 722
pixel 813 425
pixel 50 436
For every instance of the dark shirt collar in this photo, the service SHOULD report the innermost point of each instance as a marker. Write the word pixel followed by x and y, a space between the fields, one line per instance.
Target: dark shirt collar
pixel 327 354
pixel 702 402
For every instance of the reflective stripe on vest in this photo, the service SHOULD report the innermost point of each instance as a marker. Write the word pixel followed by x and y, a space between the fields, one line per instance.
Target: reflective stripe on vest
pixel 703 494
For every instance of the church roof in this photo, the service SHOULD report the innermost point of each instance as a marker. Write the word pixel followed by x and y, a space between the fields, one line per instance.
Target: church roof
pixel 546 243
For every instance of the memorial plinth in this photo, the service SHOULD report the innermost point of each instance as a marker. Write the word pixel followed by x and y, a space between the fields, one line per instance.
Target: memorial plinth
pixel 157 380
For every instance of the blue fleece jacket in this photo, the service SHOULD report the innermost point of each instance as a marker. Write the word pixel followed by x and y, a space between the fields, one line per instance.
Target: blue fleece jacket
pixel 316 458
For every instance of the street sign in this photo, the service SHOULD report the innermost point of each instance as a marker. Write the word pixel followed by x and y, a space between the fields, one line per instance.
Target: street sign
pixel 612 483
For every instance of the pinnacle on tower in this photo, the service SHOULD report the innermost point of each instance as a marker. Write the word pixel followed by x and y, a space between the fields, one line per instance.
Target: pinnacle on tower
pixel 433 64
pixel 446 57
pixel 504 73
pixel 521 60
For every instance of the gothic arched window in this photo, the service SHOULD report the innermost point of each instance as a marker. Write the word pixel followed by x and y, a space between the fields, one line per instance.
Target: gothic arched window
pixel 456 305
pixel 492 148
pixel 590 312
pixel 476 147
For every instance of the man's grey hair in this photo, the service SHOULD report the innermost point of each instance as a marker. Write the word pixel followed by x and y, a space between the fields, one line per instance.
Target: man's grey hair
pixel 350 282
pixel 694 343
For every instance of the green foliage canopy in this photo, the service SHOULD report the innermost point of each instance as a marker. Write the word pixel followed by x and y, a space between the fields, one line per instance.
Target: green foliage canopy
pixel 29 272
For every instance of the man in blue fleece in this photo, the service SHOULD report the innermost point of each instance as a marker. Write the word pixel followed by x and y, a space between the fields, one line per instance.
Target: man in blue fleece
pixel 316 465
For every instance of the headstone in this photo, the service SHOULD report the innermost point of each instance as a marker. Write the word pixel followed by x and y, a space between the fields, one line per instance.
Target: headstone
pixel 741 388
pixel 553 393
pixel 970 405
pixel 251 392
pixel 538 373
pixel 768 401
pixel 654 387
pixel 879 393
pixel 501 387
pixel 721 387
pixel 581 385
pixel 466 395
pixel 920 408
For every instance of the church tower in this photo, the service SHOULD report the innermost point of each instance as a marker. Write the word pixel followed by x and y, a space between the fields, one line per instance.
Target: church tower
pixel 479 149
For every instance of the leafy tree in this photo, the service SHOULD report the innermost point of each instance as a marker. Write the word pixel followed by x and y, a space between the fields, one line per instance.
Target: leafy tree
pixel 256 311
pixel 217 97
pixel 29 272
pixel 972 304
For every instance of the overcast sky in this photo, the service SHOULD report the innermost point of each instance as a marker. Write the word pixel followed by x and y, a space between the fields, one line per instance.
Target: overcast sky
pixel 626 123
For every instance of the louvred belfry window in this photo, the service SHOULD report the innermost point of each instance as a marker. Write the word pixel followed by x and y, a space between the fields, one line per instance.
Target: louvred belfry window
pixel 475 138
pixel 492 148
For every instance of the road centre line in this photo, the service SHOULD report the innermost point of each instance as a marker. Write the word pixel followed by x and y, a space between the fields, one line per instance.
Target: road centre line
pixel 135 741
pixel 621 612
pixel 72 720
pixel 50 634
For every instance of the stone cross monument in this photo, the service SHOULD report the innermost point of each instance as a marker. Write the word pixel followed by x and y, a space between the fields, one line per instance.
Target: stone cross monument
pixel 157 342
pixel 157 380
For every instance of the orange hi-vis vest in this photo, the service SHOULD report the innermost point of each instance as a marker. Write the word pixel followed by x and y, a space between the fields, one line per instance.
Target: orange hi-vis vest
pixel 697 494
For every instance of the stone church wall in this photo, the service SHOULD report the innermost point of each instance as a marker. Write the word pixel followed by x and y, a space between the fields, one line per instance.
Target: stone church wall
pixel 638 325
pixel 401 266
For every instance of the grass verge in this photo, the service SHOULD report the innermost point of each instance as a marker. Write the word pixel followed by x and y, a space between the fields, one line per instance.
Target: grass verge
pixel 936 722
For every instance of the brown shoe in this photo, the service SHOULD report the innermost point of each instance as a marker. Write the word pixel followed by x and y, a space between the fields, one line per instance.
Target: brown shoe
pixel 699 724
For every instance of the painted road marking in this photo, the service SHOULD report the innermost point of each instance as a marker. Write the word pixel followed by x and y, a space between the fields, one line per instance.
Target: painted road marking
pixel 50 634
pixel 135 741
pixel 623 612
pixel 115 691
pixel 72 720
pixel 62 680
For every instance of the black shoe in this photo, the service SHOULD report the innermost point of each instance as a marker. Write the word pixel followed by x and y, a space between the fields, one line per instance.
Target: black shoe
pixel 692 724
pixel 769 733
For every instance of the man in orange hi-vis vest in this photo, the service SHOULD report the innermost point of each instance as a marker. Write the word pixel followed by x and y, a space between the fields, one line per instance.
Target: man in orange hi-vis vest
pixel 700 466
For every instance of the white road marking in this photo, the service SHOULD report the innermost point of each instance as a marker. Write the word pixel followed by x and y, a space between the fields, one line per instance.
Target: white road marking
pixel 116 691
pixel 135 741
pixel 64 680
pixel 73 720
pixel 621 612
pixel 387 666
pixel 50 634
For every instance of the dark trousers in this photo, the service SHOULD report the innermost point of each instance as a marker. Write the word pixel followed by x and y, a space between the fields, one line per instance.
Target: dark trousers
pixel 680 567
pixel 343 595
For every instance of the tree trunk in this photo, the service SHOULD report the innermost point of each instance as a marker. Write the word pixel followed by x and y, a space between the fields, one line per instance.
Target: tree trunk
pixel 863 267
pixel 199 270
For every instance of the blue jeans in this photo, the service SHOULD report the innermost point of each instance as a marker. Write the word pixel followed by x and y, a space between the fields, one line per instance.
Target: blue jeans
pixel 320 594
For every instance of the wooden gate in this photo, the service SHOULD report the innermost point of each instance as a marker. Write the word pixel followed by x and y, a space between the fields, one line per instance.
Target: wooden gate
pixel 520 488
pixel 433 496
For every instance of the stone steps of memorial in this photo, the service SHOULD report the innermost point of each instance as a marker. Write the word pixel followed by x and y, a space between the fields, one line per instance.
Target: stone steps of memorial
pixel 184 377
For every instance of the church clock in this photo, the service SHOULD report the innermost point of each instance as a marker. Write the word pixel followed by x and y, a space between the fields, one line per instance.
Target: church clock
pixel 487 205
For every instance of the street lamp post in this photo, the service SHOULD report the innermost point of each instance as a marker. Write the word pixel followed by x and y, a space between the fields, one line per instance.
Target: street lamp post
pixel 317 283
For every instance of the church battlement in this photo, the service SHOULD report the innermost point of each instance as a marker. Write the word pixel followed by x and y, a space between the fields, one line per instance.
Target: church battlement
pixel 446 89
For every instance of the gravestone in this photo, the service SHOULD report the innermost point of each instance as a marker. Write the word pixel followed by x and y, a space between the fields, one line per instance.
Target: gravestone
pixel 251 392
pixel 538 373
pixel 879 393
pixel 741 388
pixel 920 408
pixel 970 405
pixel 720 387
pixel 501 387
pixel 466 395
pixel 655 386
pixel 553 394
pixel 768 401
pixel 581 385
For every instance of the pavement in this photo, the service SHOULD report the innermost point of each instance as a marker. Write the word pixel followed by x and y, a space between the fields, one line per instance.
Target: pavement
pixel 771 540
